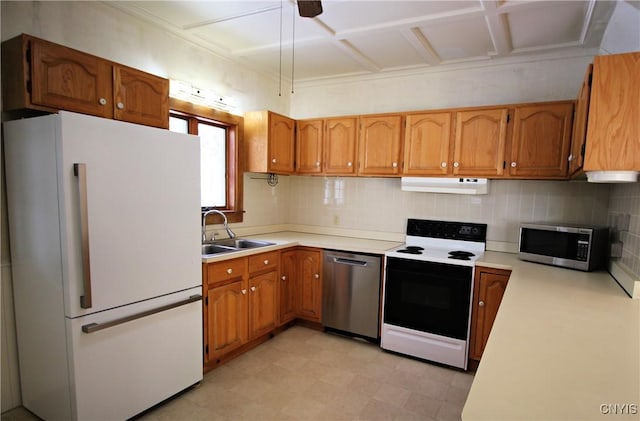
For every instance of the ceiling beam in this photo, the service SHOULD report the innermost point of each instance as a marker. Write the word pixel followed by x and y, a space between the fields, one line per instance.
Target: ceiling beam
pixel 421 44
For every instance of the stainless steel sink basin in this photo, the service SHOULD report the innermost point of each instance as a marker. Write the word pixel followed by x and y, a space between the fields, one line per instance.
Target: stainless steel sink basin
pixel 208 249
pixel 242 243
pixel 229 245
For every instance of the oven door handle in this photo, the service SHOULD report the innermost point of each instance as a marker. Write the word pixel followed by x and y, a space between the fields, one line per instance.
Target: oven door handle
pixel 351 262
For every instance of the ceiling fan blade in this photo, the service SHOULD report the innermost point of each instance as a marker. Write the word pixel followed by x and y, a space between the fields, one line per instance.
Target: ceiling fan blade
pixel 309 8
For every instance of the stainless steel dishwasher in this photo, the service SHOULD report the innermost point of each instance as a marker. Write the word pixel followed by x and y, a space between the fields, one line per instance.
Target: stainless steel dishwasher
pixel 351 293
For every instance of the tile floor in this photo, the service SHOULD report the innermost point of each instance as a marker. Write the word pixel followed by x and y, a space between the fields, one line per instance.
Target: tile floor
pixel 303 374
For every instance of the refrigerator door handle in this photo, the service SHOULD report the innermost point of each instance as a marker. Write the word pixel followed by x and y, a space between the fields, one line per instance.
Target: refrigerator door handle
pixel 80 171
pixel 95 327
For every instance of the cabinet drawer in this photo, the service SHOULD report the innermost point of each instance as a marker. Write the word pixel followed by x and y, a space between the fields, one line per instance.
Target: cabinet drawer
pixel 264 261
pixel 227 269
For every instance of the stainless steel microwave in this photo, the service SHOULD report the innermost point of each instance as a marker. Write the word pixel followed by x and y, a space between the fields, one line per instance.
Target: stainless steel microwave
pixel 571 246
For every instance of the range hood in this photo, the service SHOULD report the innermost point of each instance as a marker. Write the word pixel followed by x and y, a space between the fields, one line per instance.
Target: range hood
pixel 445 185
pixel 612 176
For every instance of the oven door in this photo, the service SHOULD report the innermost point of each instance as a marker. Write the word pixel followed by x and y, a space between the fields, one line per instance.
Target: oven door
pixel 428 297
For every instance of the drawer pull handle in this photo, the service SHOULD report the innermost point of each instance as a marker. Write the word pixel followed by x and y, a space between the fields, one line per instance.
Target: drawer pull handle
pixel 266 261
pixel 229 271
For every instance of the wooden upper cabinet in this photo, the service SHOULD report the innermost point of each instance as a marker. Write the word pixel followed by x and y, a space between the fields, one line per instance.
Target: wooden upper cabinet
pixel 41 75
pixel 140 97
pixel 269 142
pixel 576 158
pixel 480 142
pixel 340 139
pixel 309 140
pixel 613 131
pixel 66 79
pixel 541 140
pixel 380 145
pixel 427 142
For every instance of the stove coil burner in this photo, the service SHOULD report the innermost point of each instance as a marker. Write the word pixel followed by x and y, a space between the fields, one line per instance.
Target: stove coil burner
pixel 460 255
pixel 412 250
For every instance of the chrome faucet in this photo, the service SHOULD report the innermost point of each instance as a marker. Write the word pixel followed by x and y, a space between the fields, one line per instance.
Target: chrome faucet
pixel 226 224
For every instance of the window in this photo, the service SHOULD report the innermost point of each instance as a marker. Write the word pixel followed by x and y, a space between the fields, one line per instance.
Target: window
pixel 221 182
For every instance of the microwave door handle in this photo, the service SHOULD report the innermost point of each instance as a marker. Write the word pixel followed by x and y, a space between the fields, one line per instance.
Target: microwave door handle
pixel 80 171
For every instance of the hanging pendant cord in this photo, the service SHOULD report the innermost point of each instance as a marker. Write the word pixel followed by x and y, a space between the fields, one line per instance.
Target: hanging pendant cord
pixel 280 82
pixel 293 49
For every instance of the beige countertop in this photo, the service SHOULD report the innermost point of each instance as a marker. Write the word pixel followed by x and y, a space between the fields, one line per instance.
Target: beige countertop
pixel 565 345
pixel 288 239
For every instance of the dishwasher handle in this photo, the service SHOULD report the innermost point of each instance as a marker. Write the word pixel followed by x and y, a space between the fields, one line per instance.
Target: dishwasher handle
pixel 351 262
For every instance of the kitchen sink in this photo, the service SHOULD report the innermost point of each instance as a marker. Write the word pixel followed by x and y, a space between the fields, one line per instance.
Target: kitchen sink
pixel 229 245
pixel 242 243
pixel 208 249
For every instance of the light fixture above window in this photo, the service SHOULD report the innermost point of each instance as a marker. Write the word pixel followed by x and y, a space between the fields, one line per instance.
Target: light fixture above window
pixel 186 91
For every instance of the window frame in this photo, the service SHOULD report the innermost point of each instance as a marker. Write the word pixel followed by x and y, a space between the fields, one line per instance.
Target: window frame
pixel 235 130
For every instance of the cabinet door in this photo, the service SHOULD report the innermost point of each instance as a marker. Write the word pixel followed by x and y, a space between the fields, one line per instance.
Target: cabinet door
pixel 140 97
pixel 480 142
pixel 67 79
pixel 309 146
pixel 226 308
pixel 489 288
pixel 287 286
pixel 613 133
pixel 340 146
pixel 281 144
pixel 576 159
pixel 379 144
pixel 426 144
pixel 309 285
pixel 263 303
pixel 541 140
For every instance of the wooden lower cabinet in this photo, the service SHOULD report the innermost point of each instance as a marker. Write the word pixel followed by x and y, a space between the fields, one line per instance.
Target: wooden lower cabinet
pixel 488 289
pixel 225 307
pixel 309 284
pixel 226 310
pixel 263 297
pixel 288 267
pixel 248 299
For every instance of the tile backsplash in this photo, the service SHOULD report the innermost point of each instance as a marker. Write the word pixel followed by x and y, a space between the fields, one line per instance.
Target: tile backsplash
pixel 624 220
pixel 378 204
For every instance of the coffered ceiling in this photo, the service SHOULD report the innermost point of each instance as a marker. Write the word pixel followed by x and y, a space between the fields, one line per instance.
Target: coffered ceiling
pixel 354 37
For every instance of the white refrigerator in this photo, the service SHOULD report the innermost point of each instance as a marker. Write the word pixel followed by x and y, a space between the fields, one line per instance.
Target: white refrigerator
pixel 104 225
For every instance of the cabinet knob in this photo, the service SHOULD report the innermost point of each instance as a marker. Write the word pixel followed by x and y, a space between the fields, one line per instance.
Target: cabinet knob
pixel 570 158
pixel 284 278
pixel 266 261
pixel 456 164
pixel 273 161
pixel 102 101
pixel 394 165
pixel 253 289
pixel 513 164
pixel 317 163
pixel 229 271
pixel 317 276
pixel 120 106
pixel 349 164
pixel 481 304
pixel 244 292
pixel 443 164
